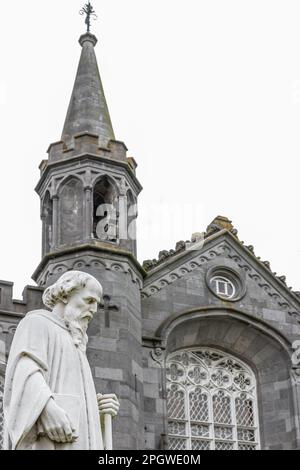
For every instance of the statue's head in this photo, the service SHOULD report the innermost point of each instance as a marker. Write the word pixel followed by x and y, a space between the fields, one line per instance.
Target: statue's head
pixel 77 295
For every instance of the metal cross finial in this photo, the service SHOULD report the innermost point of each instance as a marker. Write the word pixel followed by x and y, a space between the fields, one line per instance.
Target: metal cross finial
pixel 89 11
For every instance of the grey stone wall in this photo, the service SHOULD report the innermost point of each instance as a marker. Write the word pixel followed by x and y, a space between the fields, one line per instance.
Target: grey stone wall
pixel 115 353
pixel 12 311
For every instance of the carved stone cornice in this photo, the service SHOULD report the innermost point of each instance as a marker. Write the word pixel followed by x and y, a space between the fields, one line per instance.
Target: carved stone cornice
pixel 278 297
pixel 62 260
pixel 179 272
pixel 231 249
pixel 295 375
pixel 60 266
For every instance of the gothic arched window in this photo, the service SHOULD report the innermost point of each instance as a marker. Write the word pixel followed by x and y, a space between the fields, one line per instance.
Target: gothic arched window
pixel 1 412
pixel 71 211
pixel 211 402
pixel 47 217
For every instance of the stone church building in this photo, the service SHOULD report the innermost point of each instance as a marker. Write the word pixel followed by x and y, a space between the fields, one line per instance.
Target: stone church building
pixel 197 345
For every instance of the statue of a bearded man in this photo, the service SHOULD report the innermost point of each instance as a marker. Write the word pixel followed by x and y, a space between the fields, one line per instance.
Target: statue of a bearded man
pixel 50 401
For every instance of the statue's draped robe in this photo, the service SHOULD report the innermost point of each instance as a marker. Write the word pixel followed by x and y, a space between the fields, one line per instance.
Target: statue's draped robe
pixel 44 361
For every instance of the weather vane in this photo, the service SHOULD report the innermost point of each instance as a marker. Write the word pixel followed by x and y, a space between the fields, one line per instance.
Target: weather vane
pixel 89 11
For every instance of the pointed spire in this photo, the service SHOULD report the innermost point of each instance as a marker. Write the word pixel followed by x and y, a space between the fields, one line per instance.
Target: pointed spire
pixel 88 111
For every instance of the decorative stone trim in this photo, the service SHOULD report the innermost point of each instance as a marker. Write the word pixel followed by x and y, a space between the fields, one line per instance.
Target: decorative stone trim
pixel 178 273
pixel 227 251
pixel 8 328
pixel 261 282
pixel 158 355
pixel 96 263
pixel 295 375
pixel 215 312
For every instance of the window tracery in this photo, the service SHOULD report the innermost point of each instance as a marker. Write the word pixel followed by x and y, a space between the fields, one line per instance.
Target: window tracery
pixel 211 402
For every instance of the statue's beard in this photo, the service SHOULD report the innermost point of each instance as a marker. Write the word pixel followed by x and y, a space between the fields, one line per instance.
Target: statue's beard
pixel 77 327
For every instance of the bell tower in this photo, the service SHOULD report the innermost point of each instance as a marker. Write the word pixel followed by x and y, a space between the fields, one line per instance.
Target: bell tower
pixel 88 187
pixel 88 190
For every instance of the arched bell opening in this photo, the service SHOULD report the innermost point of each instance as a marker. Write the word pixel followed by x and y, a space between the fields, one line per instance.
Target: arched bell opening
pixel 71 211
pixel 105 210
pixel 47 219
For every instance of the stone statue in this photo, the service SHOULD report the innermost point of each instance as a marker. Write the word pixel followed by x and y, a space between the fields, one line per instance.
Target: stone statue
pixel 50 400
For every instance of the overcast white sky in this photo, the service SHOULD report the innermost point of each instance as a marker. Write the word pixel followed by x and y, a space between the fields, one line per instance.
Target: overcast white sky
pixel 205 94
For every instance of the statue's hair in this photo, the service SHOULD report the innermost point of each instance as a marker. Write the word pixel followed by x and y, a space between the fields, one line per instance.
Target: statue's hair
pixel 69 282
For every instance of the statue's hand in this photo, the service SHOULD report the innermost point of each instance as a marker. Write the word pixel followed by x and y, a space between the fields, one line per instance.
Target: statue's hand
pixel 108 404
pixel 56 423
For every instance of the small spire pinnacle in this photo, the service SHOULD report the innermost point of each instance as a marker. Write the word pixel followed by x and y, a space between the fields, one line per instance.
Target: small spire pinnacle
pixel 89 11
pixel 88 111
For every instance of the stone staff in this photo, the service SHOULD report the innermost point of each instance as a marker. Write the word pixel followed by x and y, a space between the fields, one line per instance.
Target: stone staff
pixel 108 409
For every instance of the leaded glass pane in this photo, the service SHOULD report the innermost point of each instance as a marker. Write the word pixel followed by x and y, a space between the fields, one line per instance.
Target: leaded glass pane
pixel 244 411
pixel 198 405
pixel 200 445
pixel 175 403
pixel 222 286
pixel 224 445
pixel 247 447
pixel 177 443
pixel 222 408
